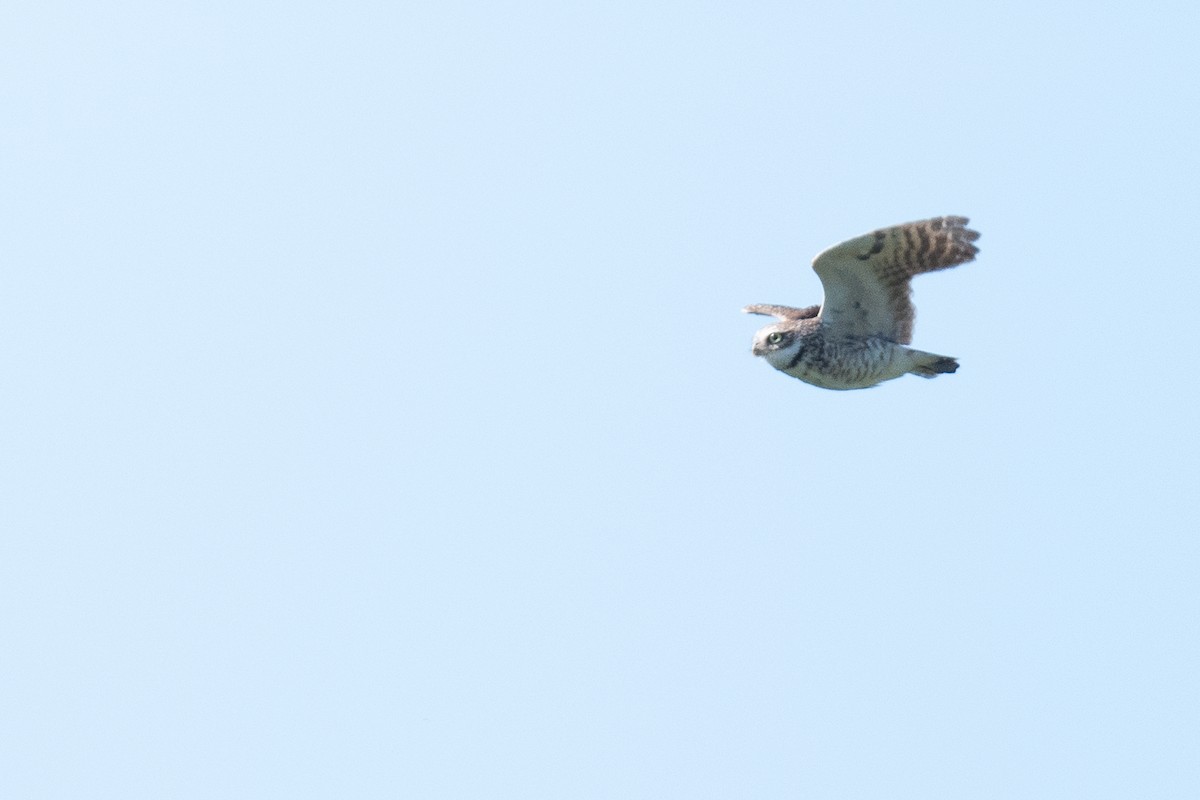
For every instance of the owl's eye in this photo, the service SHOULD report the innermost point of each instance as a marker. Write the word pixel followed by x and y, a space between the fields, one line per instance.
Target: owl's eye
pixel 775 338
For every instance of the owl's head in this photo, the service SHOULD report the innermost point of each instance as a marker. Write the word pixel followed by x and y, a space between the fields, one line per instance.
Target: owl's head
pixel 775 339
pixel 778 343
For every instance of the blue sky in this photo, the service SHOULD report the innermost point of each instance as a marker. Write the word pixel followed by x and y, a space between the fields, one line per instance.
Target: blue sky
pixel 382 422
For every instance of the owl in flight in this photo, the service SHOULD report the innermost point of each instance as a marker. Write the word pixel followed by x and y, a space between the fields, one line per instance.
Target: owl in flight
pixel 856 337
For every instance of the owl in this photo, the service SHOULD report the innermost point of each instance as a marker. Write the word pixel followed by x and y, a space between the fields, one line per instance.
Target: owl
pixel 856 338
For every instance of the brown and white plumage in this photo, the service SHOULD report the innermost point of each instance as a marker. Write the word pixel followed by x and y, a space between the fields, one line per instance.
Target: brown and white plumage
pixel 855 338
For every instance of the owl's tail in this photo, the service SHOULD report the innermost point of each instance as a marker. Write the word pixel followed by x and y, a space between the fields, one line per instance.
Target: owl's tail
pixel 930 365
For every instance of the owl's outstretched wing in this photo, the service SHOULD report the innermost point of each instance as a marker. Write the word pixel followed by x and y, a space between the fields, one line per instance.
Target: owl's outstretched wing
pixel 866 279
pixel 783 313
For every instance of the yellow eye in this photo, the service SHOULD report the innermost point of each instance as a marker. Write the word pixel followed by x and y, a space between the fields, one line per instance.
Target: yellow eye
pixel 775 338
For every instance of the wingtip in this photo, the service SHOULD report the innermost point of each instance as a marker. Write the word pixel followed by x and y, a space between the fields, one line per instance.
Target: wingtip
pixel 962 222
pixel 759 308
pixel 962 233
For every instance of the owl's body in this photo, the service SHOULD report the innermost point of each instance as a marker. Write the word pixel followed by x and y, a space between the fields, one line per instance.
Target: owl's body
pixel 852 362
pixel 856 338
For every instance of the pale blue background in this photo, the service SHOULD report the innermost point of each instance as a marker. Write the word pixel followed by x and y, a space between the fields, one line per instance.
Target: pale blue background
pixel 379 421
